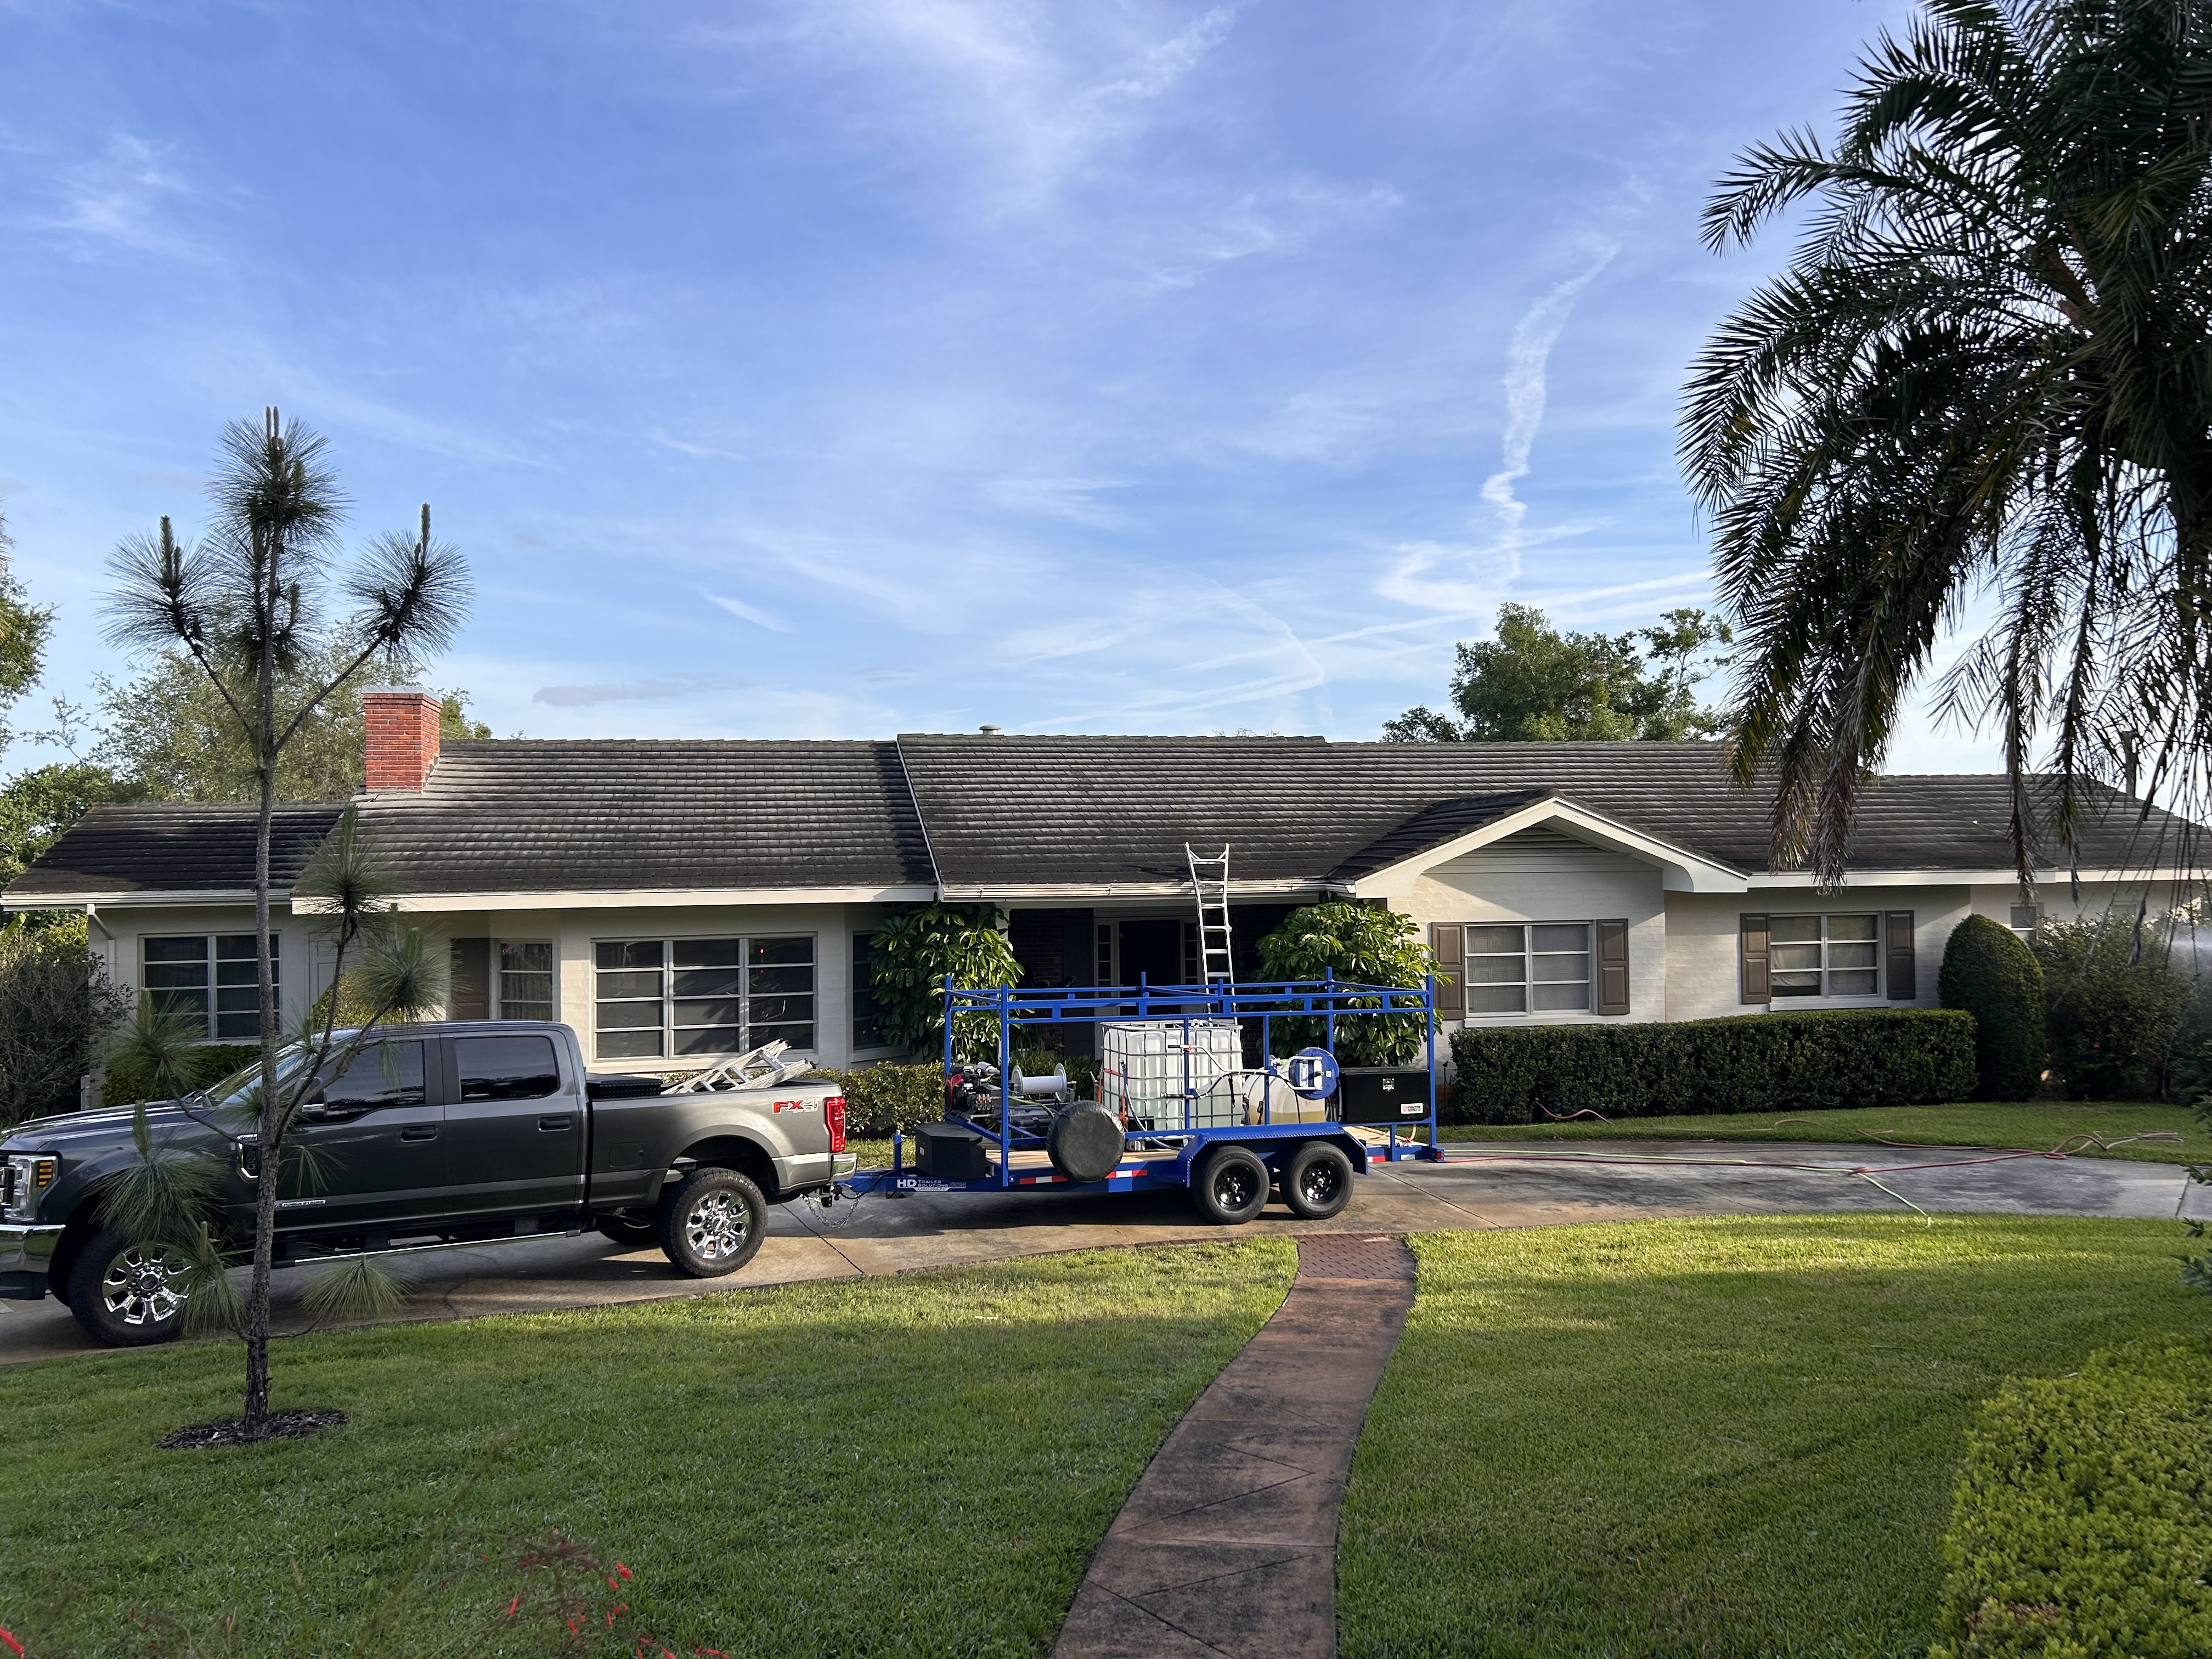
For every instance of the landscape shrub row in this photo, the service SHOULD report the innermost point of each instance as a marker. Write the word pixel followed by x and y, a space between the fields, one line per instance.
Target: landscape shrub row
pixel 2084 1519
pixel 881 1100
pixel 1770 1062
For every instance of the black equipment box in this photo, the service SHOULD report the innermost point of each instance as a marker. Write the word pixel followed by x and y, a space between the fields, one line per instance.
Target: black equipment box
pixel 605 1086
pixel 949 1152
pixel 1382 1094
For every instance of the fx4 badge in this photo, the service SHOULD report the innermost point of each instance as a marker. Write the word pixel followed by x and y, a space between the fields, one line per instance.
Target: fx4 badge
pixel 790 1106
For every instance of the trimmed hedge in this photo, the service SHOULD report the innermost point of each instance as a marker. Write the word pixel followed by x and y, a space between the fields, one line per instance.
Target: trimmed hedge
pixel 882 1099
pixel 2084 1519
pixel 1989 971
pixel 1754 1063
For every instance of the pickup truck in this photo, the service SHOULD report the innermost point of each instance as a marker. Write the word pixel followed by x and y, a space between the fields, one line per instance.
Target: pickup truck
pixel 465 1133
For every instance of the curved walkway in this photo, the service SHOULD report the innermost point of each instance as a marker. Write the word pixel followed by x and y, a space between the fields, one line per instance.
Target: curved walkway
pixel 1227 1544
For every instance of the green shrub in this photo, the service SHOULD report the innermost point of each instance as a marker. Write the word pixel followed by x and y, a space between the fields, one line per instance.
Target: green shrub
pixel 2084 1519
pixel 881 1100
pixel 1356 942
pixel 911 957
pixel 126 1081
pixel 2115 1004
pixel 1751 1063
pixel 57 1006
pixel 1992 975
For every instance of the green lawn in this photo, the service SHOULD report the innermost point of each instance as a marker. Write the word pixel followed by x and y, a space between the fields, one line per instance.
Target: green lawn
pixel 918 1465
pixel 1709 1437
pixel 2039 1124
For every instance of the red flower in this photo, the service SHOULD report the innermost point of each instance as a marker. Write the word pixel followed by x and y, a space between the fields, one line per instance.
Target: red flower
pixel 623 1569
pixel 14 1646
pixel 512 1604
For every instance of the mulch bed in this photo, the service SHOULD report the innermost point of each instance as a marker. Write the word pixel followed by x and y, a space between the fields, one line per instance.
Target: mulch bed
pixel 231 1430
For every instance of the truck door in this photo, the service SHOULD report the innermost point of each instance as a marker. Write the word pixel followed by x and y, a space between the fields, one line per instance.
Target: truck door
pixel 367 1145
pixel 514 1126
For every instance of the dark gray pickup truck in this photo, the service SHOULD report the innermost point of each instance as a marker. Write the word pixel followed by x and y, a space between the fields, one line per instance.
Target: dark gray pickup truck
pixel 470 1133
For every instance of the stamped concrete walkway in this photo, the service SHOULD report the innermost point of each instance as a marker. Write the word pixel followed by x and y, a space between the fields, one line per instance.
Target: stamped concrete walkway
pixel 1227 1544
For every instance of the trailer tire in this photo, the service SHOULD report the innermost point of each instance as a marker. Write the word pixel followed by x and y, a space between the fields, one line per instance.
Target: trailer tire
pixel 1317 1180
pixel 1085 1142
pixel 712 1222
pixel 125 1295
pixel 1229 1185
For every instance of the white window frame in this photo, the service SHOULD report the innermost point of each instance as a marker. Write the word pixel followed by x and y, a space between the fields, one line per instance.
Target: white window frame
pixel 1528 954
pixel 2033 923
pixel 211 984
pixel 1777 999
pixel 551 1000
pixel 668 999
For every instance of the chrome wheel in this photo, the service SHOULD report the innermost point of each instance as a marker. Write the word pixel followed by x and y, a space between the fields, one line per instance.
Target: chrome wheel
pixel 143 1287
pixel 718 1226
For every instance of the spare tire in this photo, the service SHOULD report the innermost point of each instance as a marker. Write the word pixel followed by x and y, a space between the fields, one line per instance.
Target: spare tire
pixel 1085 1141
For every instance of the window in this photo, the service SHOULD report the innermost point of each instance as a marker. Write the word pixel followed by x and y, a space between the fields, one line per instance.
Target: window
pixel 211 980
pixel 2026 918
pixel 1826 956
pixel 693 996
pixel 1519 968
pixel 867 1025
pixel 525 980
pixel 506 1067
pixel 382 1074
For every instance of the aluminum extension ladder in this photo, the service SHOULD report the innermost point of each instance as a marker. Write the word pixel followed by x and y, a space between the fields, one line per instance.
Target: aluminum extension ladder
pixel 1209 880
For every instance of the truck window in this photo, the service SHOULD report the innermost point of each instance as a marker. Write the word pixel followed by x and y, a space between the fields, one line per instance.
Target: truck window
pixel 506 1067
pixel 382 1074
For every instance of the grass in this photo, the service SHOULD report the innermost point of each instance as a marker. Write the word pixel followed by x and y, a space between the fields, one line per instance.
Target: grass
pixel 1709 1437
pixel 918 1465
pixel 2039 1124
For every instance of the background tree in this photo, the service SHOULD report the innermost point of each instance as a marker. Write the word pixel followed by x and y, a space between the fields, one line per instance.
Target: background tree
pixel 1988 366
pixel 1361 943
pixel 2117 1005
pixel 1532 684
pixel 916 954
pixel 248 607
pixel 23 634
pixel 57 1008
pixel 37 806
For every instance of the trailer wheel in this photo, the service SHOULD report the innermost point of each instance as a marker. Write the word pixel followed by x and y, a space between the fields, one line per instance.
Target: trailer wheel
pixel 712 1222
pixel 1231 1185
pixel 1317 1182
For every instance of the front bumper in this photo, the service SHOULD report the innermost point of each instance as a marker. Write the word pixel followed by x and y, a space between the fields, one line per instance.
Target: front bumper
pixel 26 1253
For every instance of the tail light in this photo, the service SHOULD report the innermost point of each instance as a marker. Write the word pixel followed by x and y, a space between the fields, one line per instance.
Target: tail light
pixel 832 1114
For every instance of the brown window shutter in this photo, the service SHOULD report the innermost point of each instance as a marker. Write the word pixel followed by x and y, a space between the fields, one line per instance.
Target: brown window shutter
pixel 1613 967
pixel 469 995
pixel 1448 943
pixel 1758 985
pixel 1904 977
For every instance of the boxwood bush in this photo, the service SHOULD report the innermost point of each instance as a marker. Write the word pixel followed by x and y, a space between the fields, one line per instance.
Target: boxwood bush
pixel 880 1100
pixel 1989 971
pixel 1754 1063
pixel 2084 1519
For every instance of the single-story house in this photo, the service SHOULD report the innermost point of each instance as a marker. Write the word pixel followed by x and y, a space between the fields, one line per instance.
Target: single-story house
pixel 682 902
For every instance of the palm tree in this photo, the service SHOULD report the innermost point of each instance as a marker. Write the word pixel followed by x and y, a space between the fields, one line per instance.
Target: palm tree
pixel 1986 376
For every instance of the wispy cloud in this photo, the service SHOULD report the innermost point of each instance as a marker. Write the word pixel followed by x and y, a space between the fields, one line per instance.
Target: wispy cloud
pixel 661 688
pixel 751 613
pixel 122 196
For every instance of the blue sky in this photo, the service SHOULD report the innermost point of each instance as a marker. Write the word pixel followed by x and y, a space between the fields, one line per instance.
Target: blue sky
pixel 860 365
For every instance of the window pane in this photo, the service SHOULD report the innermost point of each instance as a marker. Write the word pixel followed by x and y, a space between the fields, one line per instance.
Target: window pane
pixel 1796 957
pixel 629 1016
pixel 239 1000
pixel 1794 927
pixel 176 975
pixel 1559 935
pixel 780 1009
pixel 629 985
pixel 628 1045
pixel 185 1004
pixel 706 952
pixel 1489 939
pixel 1856 983
pixel 799 1037
pixel 1562 968
pixel 1497 999
pixel 1851 955
pixel 240 972
pixel 507 1067
pixel 1495 970
pixel 193 949
pixel 1555 998
pixel 707 1010
pixel 2025 917
pixel 707 982
pixel 643 954
pixel 239 947
pixel 382 1074
pixel 867 1030
pixel 761 981
pixel 1854 927
pixel 1797 985
pixel 708 1040
pixel 530 956
pixel 765 951
pixel 237 1028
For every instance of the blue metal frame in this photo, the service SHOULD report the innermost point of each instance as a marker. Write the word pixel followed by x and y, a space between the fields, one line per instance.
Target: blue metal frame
pixel 1328 998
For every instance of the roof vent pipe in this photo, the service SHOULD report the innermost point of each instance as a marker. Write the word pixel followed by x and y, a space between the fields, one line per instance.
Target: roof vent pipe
pixel 989 731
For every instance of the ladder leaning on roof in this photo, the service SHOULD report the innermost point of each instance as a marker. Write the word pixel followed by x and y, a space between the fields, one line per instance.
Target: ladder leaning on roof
pixel 1209 881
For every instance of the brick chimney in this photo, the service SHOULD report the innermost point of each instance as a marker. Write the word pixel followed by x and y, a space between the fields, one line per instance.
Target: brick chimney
pixel 403 735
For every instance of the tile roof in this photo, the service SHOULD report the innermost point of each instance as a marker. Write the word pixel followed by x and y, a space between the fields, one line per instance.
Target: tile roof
pixel 1007 813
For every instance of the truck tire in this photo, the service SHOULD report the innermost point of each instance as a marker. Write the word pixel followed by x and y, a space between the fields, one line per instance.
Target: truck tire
pixel 1317 1180
pixel 1085 1141
pixel 634 1230
pixel 125 1295
pixel 1229 1185
pixel 712 1222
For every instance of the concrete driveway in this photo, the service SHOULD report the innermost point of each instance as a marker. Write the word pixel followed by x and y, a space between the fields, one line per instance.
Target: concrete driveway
pixel 1485 1185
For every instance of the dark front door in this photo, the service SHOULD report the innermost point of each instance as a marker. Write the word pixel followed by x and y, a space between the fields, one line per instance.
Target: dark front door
pixel 1152 949
pixel 514 1129
pixel 367 1149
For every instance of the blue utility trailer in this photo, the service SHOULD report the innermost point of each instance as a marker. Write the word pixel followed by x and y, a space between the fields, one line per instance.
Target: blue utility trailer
pixel 1230 1135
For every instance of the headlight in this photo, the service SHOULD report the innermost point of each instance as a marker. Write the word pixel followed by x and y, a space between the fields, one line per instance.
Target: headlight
pixel 25 1182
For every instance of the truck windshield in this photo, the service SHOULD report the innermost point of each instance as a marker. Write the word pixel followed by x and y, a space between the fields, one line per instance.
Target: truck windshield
pixel 241 1090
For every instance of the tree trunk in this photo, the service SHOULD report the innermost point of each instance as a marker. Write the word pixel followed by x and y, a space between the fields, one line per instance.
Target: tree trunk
pixel 264 1205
